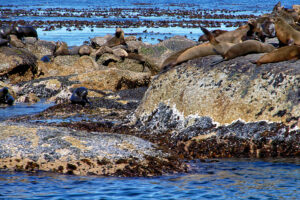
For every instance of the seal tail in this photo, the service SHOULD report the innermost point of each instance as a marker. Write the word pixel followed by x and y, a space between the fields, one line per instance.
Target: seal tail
pixel 210 36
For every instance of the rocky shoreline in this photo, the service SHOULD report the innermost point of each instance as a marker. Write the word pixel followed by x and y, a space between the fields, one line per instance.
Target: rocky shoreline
pixel 143 120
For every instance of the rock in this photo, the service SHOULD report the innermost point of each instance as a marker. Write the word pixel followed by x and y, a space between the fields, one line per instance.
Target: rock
pixel 56 149
pixel 40 48
pixel 108 59
pixel 132 46
pixel 131 65
pixel 84 50
pixel 156 54
pixel 30 40
pixel 250 105
pixel 15 41
pixel 66 60
pixel 130 38
pixel 17 64
pixel 111 79
pixel 102 50
pixel 120 53
pixel 100 41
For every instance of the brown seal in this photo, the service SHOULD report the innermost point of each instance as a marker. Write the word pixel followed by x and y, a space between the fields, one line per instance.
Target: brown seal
pixel 219 46
pixel 190 53
pixel 118 39
pixel 61 49
pixel 247 47
pixel 285 33
pixel 281 54
pixel 216 33
pixel 235 36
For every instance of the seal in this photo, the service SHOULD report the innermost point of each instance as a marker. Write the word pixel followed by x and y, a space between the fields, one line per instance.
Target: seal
pixel 247 47
pixel 79 96
pixel 190 53
pixel 219 46
pixel 235 36
pixel 285 33
pixel 61 49
pixel 118 39
pixel 6 31
pixel 280 54
pixel 26 31
pixel 5 97
pixel 244 48
pixel 216 33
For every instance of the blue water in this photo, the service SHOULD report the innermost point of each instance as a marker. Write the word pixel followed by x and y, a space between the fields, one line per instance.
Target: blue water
pixel 226 179
pixel 77 37
pixel 19 109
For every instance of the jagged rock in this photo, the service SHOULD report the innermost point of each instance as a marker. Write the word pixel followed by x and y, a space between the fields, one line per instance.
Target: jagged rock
pixel 62 150
pixel 17 64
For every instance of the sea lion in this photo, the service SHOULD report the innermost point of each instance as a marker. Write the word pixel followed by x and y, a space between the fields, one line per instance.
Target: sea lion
pixel 280 54
pixel 203 38
pixel 235 36
pixel 5 97
pixel 244 48
pixel 247 47
pixel 118 39
pixel 190 53
pixel 286 34
pixel 6 31
pixel 79 96
pixel 219 46
pixel 26 31
pixel 61 49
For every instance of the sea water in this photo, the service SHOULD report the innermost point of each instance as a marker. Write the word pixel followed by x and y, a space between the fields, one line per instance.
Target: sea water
pixel 153 35
pixel 277 179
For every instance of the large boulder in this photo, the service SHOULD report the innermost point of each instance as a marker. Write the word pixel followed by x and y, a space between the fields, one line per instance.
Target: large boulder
pixel 17 64
pixel 62 150
pixel 233 108
pixel 159 52
pixel 41 48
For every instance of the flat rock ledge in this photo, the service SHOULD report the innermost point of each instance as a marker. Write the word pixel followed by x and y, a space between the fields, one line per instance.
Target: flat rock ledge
pixel 56 149
pixel 233 109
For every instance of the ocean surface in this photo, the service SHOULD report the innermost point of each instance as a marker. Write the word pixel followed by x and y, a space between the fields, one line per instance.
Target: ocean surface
pixel 132 11
pixel 224 179
pixel 220 179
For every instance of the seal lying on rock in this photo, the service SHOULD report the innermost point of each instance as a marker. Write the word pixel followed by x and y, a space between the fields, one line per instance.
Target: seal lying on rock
pixel 5 97
pixel 281 54
pixel 79 96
